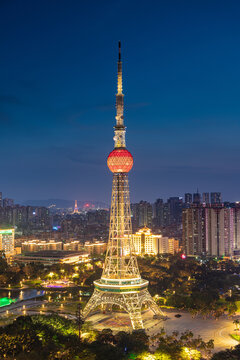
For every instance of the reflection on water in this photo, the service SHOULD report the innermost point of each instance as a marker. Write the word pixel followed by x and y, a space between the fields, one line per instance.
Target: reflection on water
pixel 20 295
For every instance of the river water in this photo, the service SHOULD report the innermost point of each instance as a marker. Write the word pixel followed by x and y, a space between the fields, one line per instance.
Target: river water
pixel 20 295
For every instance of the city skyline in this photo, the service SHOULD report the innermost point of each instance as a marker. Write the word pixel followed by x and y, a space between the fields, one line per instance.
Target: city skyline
pixel 56 98
pixel 91 92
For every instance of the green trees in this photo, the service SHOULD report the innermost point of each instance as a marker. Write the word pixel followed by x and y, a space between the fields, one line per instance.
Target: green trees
pixel 54 337
pixel 182 346
pixel 200 287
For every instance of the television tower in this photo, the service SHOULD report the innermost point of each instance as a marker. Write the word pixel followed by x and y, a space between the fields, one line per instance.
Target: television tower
pixel 121 284
pixel 75 211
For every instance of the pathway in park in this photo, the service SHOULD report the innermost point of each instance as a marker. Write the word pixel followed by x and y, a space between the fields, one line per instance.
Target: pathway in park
pixel 208 329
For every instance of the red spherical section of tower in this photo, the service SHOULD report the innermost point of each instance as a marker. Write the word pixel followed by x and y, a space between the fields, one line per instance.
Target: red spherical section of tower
pixel 120 161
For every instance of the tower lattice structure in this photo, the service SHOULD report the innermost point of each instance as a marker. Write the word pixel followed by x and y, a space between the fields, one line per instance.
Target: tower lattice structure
pixel 121 283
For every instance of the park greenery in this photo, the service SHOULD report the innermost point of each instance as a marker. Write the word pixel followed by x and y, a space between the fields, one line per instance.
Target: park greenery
pixel 32 274
pixel 208 287
pixel 54 337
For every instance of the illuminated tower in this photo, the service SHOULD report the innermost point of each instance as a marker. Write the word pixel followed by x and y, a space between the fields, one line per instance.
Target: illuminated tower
pixel 75 211
pixel 121 284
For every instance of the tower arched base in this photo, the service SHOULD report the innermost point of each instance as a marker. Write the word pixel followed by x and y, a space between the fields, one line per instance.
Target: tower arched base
pixel 130 302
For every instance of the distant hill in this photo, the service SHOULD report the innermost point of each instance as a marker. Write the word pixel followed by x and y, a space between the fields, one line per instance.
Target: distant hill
pixel 65 204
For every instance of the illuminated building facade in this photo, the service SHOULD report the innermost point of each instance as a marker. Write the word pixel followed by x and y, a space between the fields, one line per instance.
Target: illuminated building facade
pixel 72 246
pixel 38 245
pixel 121 283
pixel 47 257
pixel 7 241
pixel 146 243
pixel 95 248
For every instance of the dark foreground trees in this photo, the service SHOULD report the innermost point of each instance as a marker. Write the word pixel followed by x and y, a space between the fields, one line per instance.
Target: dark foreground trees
pixel 53 337
pixel 233 354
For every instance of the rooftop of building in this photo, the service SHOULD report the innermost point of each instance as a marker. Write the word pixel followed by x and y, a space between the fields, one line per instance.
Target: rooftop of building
pixel 6 230
pixel 39 241
pixel 96 243
pixel 147 231
pixel 53 254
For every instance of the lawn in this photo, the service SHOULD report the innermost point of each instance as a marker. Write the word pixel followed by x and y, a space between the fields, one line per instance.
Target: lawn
pixel 235 337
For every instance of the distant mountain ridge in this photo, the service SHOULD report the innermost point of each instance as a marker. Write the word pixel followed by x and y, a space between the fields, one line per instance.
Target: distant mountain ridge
pixel 65 204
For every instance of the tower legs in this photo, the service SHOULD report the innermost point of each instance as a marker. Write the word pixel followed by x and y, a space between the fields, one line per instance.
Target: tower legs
pixel 130 302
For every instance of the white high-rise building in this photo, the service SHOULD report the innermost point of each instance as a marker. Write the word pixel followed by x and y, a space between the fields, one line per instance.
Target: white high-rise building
pixel 219 231
pixel 7 241
pixel 211 230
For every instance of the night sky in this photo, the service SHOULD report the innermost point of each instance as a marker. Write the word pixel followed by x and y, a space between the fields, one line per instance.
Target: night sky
pixel 181 68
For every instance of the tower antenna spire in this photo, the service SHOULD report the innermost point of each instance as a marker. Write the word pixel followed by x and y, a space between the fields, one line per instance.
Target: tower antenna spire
pixel 119 137
pixel 119 51
pixel 119 86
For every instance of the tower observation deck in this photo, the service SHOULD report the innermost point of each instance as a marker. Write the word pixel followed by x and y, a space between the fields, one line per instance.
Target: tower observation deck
pixel 121 283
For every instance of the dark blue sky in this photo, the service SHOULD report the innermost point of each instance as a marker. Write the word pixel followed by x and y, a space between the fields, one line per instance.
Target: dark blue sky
pixel 181 64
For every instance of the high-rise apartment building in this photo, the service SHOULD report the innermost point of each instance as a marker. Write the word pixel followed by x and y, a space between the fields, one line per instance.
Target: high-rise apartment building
pixel 236 228
pixel 216 198
pixel 7 241
pixel 166 214
pixel 211 230
pixel 205 198
pixel 175 210
pixel 193 221
pixel 158 212
pixel 219 231
pixel 1 202
pixel 196 198
pixel 188 199
pixel 8 202
pixel 142 214
pixel 25 217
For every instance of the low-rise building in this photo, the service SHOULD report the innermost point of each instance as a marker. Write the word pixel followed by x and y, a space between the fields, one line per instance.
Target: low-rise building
pixel 38 245
pixel 146 243
pixel 95 248
pixel 72 246
pixel 47 257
